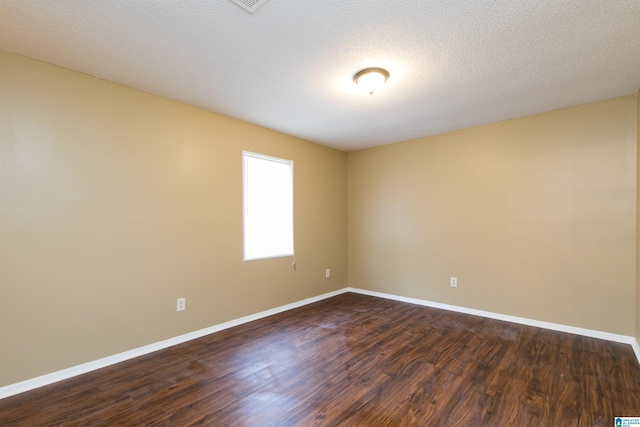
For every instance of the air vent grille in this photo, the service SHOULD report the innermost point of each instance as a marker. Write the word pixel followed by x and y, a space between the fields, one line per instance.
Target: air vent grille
pixel 250 5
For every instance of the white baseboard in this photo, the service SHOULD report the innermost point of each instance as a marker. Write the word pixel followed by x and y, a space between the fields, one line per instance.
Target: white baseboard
pixel 636 348
pixel 514 319
pixel 21 387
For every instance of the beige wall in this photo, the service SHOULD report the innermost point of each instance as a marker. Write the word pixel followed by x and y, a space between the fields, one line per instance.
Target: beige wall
pixel 638 222
pixel 113 203
pixel 535 217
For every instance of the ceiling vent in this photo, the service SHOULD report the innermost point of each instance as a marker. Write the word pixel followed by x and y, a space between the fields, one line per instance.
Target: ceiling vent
pixel 250 5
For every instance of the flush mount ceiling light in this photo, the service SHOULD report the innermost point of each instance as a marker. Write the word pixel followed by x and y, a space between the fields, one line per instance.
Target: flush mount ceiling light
pixel 371 79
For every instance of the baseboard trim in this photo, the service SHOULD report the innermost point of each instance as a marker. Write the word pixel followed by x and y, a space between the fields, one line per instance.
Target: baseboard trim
pixel 41 381
pixel 624 339
pixel 636 348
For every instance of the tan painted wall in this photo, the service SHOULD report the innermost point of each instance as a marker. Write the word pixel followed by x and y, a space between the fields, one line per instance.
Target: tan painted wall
pixel 638 222
pixel 535 217
pixel 113 203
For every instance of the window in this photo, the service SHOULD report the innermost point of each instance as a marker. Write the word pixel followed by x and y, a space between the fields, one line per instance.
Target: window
pixel 268 206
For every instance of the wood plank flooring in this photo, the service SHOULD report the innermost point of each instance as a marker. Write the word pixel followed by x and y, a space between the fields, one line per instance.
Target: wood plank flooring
pixel 353 360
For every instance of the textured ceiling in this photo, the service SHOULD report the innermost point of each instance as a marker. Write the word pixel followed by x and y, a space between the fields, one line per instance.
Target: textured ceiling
pixel 289 65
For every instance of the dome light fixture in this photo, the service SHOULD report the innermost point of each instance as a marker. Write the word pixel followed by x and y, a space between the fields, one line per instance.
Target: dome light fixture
pixel 371 79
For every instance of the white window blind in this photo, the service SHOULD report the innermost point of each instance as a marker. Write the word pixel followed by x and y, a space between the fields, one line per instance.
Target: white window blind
pixel 268 206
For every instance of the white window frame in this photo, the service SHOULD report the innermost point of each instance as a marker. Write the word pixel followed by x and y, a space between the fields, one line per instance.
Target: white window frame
pixel 246 155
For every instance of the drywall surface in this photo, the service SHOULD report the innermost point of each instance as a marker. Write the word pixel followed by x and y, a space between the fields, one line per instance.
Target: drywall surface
pixel 535 217
pixel 638 220
pixel 114 203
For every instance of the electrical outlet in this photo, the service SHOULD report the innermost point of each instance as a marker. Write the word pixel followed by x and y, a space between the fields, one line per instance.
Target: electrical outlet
pixel 453 282
pixel 327 272
pixel 181 304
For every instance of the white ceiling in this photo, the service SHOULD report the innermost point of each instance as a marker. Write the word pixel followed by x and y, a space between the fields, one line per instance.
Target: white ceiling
pixel 289 65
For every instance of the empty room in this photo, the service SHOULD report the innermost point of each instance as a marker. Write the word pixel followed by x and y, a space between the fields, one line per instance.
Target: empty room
pixel 319 213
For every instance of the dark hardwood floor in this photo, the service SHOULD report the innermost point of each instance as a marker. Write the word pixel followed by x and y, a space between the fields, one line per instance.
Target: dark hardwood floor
pixel 353 360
